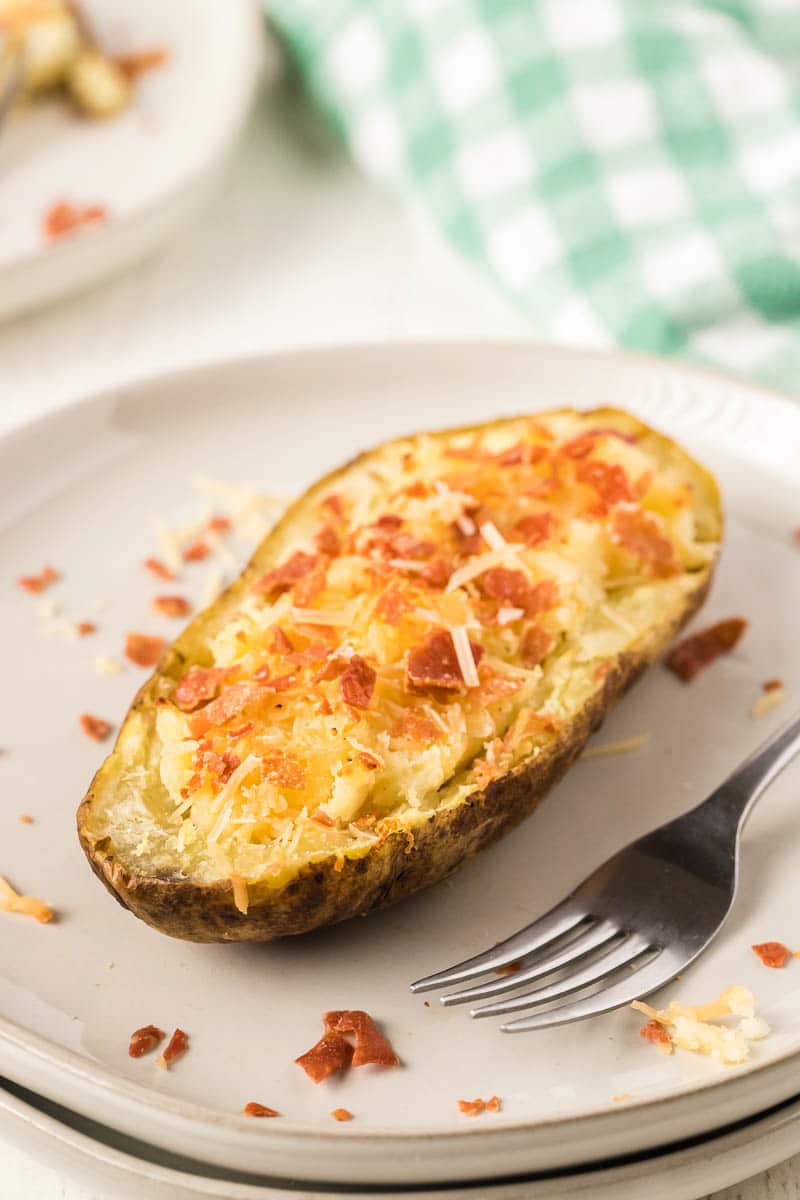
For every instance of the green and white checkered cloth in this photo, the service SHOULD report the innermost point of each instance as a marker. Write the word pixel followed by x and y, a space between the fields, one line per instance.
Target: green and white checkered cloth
pixel 628 171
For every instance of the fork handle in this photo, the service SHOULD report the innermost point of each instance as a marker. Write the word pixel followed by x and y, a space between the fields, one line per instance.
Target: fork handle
pixel 737 796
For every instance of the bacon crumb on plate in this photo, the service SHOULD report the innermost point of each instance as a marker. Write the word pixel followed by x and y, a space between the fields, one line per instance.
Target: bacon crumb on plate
pixel 330 1054
pixel 342 1114
pixel 139 62
pixel 175 1048
pixel 654 1032
pixel 95 727
pixel 699 650
pixel 37 583
pixel 63 218
pixel 509 969
pixel 254 1109
pixel 143 650
pixel 84 628
pixel 218 524
pixel 26 819
pixel 473 1108
pixel 171 606
pixel 156 567
pixel 144 1040
pixel 772 954
pixel 197 552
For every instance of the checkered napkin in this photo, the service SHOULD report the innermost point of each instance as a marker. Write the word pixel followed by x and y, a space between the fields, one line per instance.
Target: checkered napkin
pixel 627 171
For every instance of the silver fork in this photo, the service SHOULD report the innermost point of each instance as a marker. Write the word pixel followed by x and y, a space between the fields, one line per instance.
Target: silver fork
pixel 636 922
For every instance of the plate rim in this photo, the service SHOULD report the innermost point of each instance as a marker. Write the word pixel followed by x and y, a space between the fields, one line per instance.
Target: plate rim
pixel 64 1062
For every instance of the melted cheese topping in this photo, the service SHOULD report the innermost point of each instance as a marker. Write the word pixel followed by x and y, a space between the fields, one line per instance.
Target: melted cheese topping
pixel 538 550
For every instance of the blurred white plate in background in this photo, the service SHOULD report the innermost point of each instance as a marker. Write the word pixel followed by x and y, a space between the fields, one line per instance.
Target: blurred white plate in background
pixel 148 167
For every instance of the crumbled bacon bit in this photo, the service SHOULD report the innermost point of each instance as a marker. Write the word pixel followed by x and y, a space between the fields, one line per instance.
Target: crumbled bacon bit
pixel 699 650
pixel 198 684
pixel 227 705
pixel 218 524
pixel 254 1109
pixel 171 606
pixel 639 533
pixel 327 541
pixel 433 662
pixel 84 628
pixel 175 1048
pixel 535 645
pixel 38 583
pixel 139 62
pixel 156 567
pixel 368 760
pixel 334 504
pixel 242 731
pixel 509 969
pixel 282 768
pixel 472 1108
pixel 493 1104
pixel 26 819
pixel 221 766
pixel 418 489
pixel 306 590
pixel 372 1048
pixel 357 682
pixel 95 727
pixel 772 954
pixel 342 1114
pixel 391 605
pixel 63 218
pixel 322 818
pixel 281 642
pixel 331 1053
pixel 512 587
pixel 654 1032
pixel 143 650
pixel 772 685
pixel 144 1040
pixel 535 527
pixel 608 480
pixel 436 572
pixel 197 552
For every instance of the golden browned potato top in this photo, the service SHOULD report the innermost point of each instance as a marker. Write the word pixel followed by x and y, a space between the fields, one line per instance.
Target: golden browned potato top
pixel 443 605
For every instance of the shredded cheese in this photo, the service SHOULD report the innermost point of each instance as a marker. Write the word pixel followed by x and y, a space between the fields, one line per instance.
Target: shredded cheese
pixel 492 536
pixel 767 701
pixel 466 663
pixel 689 1026
pixel 29 906
pixel 322 616
pixel 240 896
pixel 507 615
pixel 107 666
pixel 624 746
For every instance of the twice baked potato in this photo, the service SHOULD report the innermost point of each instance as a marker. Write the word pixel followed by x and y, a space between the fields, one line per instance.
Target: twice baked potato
pixel 414 655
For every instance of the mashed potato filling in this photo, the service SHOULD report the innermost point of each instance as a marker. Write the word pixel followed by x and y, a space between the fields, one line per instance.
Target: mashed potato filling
pixel 432 615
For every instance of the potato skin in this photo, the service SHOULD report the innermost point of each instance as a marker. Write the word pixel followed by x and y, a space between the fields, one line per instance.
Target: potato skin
pixel 320 894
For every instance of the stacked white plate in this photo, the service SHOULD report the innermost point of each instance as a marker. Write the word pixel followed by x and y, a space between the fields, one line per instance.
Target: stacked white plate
pixel 71 992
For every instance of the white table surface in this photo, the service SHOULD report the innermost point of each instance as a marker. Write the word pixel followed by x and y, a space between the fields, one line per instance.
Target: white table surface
pixel 295 250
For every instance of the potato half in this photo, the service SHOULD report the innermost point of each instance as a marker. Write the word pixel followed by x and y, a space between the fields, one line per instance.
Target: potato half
pixel 412 658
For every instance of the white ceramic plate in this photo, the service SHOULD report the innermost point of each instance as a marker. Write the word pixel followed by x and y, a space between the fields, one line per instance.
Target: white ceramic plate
pixel 110 1164
pixel 149 166
pixel 76 489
